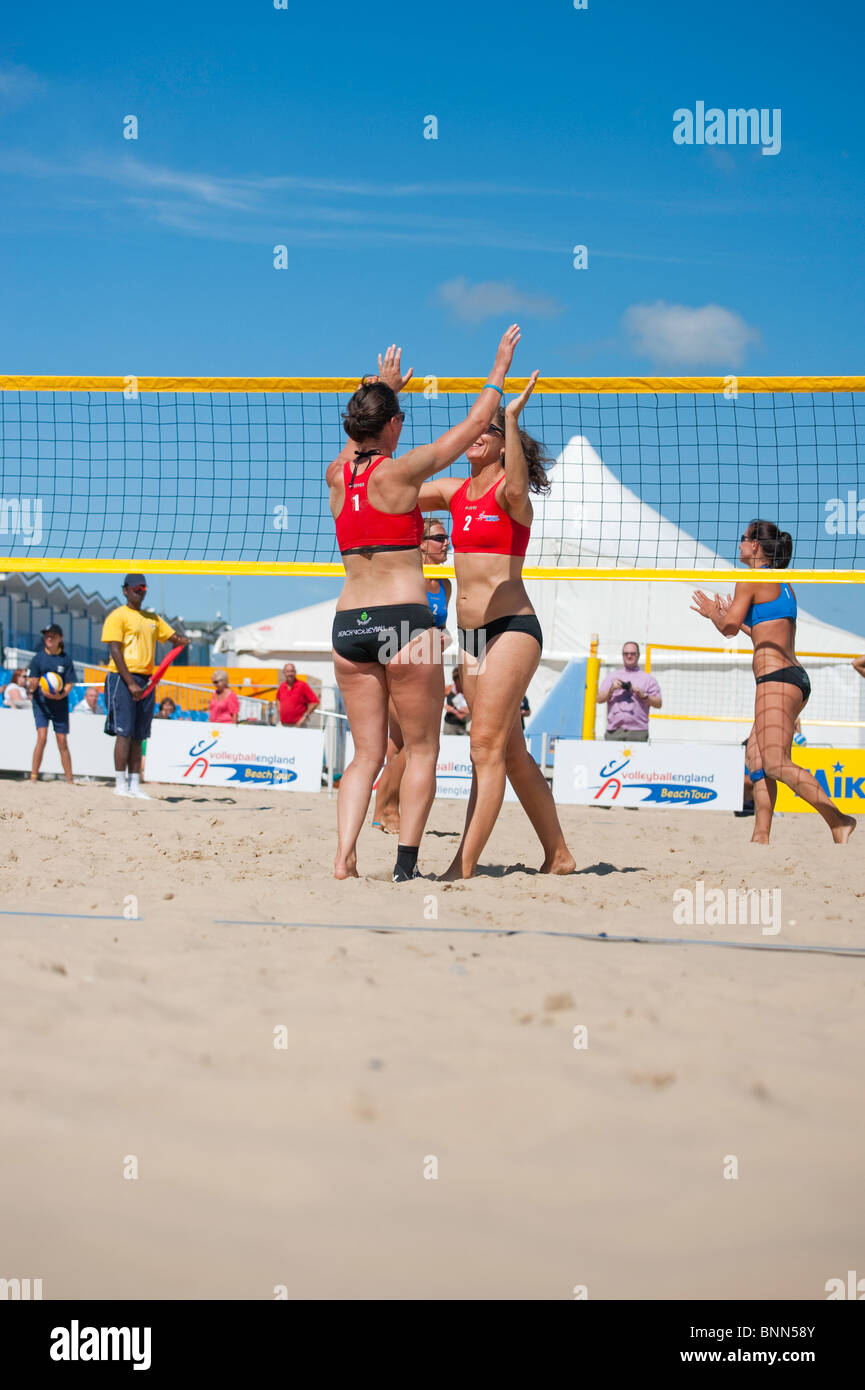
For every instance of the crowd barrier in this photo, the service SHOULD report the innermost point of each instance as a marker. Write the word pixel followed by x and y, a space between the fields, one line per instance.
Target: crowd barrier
pixel 585 772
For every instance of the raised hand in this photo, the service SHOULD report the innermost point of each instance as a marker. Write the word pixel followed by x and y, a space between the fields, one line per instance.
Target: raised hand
pixel 514 407
pixel 505 350
pixel 390 369
pixel 705 606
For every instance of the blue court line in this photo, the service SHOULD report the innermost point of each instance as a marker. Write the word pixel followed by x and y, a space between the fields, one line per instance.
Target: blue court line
pixel 568 935
pixel 77 916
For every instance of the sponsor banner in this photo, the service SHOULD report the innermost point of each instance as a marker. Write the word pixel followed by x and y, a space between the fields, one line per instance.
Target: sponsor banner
pixel 589 773
pixel 234 755
pixel 91 749
pixel 840 772
pixel 453 768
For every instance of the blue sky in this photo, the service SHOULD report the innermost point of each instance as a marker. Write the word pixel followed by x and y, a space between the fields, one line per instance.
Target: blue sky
pixel 304 127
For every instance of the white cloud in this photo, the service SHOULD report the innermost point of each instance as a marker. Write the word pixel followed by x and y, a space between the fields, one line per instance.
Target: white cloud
pixel 675 335
pixel 491 299
pixel 17 86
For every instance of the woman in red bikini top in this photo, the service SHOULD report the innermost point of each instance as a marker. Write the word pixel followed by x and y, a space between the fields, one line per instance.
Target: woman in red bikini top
pixel 500 636
pixel 383 642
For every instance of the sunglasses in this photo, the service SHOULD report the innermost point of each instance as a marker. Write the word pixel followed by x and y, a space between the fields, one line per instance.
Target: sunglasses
pixel 439 540
pixel 745 537
pixel 494 429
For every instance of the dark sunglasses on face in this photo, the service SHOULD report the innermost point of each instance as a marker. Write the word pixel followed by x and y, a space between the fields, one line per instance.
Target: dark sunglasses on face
pixel 138 588
pixel 438 540
pixel 494 429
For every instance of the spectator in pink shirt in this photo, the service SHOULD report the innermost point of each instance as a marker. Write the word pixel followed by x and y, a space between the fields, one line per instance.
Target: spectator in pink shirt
pixel 224 704
pixel 629 694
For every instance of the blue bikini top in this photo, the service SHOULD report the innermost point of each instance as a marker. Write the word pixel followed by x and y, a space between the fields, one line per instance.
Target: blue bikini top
pixel 784 606
pixel 438 603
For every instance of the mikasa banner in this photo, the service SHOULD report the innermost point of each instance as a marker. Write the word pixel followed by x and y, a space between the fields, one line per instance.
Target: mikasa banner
pixel 702 776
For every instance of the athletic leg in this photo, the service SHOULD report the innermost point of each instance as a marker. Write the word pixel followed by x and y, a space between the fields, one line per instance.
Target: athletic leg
pixel 38 752
pixel 363 687
pixel 494 690
pixel 121 753
pixel 416 681
pixel 536 799
pixel 765 790
pixel 777 708
pixel 65 758
pixel 386 809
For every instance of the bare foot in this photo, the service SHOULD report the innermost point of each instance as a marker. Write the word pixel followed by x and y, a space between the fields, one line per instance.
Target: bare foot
pixel 841 833
pixel 455 873
pixel 346 868
pixel 388 826
pixel 561 862
pixel 761 839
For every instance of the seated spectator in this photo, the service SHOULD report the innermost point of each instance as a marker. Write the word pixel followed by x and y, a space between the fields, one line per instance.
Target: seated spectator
pixel 92 703
pixel 629 694
pixel 15 695
pixel 295 698
pixel 224 704
pixel 167 709
pixel 457 716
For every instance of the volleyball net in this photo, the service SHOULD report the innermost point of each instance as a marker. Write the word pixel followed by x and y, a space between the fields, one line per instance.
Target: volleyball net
pixel 653 478
pixel 708 693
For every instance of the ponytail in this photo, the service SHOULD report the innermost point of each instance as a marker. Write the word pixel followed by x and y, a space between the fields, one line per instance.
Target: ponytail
pixel 776 545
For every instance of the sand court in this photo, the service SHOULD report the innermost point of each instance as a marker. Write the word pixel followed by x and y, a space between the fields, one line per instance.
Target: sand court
pixel 381 1113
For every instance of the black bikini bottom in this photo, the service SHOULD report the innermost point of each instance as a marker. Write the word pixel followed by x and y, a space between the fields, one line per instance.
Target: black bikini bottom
pixel 377 634
pixel 790 675
pixel 474 640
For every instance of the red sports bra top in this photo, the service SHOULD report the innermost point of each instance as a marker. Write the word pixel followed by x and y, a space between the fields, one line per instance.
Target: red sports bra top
pixel 361 526
pixel 482 526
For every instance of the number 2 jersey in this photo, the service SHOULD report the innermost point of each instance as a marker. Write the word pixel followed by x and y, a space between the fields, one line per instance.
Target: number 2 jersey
pixel 481 526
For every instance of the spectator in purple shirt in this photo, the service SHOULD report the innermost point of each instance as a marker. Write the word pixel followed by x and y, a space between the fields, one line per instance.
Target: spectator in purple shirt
pixel 629 694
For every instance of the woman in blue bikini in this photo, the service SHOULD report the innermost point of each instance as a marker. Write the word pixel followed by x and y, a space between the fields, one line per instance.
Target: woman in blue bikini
pixel 766 612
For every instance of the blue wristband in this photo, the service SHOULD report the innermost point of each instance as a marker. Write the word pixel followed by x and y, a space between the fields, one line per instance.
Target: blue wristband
pixel 494 388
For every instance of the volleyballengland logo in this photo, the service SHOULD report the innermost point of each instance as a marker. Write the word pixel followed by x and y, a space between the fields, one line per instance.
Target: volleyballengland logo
pixel 659 787
pixel 22 517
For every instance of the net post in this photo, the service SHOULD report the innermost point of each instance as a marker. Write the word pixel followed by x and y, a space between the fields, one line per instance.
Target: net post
pixel 590 699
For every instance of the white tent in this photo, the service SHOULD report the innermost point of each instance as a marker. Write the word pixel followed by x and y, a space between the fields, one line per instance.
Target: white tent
pixel 590 520
pixel 301 636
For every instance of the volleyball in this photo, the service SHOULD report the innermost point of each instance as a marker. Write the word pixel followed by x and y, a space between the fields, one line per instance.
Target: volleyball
pixel 50 683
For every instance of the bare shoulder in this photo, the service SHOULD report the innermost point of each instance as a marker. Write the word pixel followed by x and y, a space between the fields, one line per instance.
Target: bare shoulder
pixel 449 487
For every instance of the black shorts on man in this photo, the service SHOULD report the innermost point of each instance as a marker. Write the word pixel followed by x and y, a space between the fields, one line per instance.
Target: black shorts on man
pixel 128 718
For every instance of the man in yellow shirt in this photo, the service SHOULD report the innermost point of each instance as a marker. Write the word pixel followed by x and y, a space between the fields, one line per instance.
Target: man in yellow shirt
pixel 132 633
